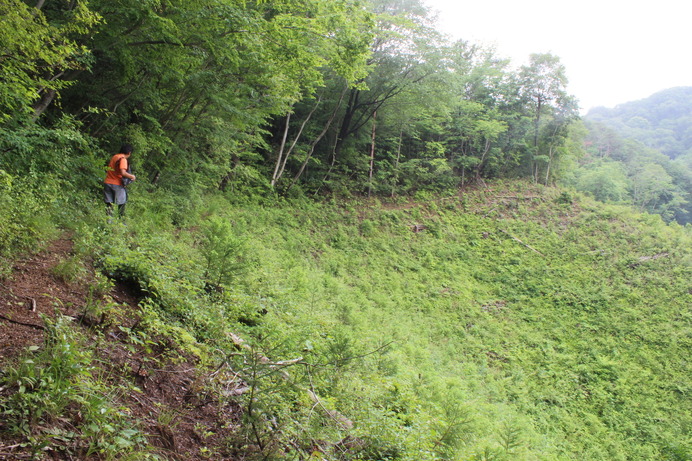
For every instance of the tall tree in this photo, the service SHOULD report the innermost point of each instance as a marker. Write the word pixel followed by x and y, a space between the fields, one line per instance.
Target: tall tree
pixel 403 55
pixel 543 84
pixel 479 115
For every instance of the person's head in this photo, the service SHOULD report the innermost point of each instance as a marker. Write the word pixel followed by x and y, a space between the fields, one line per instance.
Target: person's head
pixel 126 149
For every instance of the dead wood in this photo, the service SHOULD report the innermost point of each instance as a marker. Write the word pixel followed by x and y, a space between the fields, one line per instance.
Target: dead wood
pixel 522 243
pixel 17 322
pixel 644 259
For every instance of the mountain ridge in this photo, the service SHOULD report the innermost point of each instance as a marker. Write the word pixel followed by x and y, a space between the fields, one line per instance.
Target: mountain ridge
pixel 662 120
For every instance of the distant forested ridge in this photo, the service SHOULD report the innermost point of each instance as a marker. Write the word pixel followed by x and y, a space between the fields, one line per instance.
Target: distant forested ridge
pixel 662 121
pixel 640 153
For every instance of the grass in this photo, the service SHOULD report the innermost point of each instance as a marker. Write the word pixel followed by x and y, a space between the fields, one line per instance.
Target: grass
pixel 540 315
pixel 519 323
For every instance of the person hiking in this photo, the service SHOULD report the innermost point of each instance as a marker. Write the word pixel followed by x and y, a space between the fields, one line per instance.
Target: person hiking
pixel 118 176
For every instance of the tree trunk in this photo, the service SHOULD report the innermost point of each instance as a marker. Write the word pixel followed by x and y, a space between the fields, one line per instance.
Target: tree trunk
pixel 283 159
pixel 485 153
pixel 396 164
pixel 281 150
pixel 551 153
pixel 41 106
pixel 317 140
pixel 372 153
pixel 346 121
pixel 537 123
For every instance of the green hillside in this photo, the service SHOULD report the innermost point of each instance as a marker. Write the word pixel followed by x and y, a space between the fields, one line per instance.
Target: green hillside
pixel 344 241
pixel 509 322
pixel 662 121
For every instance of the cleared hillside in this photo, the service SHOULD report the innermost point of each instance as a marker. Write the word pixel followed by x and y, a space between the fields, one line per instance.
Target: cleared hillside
pixel 509 322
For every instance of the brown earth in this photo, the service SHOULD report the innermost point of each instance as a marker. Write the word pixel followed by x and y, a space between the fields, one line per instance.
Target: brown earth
pixel 178 416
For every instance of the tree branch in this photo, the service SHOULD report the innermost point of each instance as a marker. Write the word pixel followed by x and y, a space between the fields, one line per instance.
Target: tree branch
pixel 16 322
pixel 519 241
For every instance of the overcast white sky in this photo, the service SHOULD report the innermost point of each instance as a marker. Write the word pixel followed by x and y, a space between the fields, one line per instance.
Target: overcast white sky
pixel 615 51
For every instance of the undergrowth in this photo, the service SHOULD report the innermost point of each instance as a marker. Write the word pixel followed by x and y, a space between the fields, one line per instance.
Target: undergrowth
pixel 52 387
pixel 508 323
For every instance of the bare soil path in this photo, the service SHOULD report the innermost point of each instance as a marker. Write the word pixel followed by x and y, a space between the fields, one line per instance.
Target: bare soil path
pixel 180 419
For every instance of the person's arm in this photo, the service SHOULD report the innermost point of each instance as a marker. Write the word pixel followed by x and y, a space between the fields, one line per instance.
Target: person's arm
pixel 124 173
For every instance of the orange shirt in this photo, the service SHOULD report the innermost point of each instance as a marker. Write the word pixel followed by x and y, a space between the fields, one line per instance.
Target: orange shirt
pixel 113 175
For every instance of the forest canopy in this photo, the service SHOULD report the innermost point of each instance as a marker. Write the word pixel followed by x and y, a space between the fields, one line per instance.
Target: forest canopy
pixel 291 97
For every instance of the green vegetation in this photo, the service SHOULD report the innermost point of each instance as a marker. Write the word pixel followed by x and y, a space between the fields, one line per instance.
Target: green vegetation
pixel 55 386
pixel 311 97
pixel 281 95
pixel 519 322
pixel 347 228
pixel 639 153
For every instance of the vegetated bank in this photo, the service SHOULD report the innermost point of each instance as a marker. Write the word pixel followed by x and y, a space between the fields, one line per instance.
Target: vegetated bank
pixel 507 322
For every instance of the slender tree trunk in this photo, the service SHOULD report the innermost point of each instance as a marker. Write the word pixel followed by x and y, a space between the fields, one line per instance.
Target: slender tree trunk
pixel 281 150
pixel 347 120
pixel 48 95
pixel 46 99
pixel 396 163
pixel 486 149
pixel 551 153
pixel 317 140
pixel 372 152
pixel 283 159
pixel 537 123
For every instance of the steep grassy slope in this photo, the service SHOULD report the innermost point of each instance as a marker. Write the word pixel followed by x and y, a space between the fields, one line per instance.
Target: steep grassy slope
pixel 504 323
pixel 514 325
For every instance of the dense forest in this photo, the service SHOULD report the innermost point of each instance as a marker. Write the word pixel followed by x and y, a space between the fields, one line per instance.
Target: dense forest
pixel 641 153
pixel 662 121
pixel 350 238
pixel 311 98
pixel 291 96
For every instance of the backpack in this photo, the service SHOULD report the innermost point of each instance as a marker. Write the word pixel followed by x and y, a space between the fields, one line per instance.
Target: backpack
pixel 126 181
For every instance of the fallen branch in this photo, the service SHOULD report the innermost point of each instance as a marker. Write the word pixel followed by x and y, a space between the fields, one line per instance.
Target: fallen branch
pixel 340 419
pixel 17 322
pixel 644 259
pixel 522 243
pixel 11 447
pixel 337 417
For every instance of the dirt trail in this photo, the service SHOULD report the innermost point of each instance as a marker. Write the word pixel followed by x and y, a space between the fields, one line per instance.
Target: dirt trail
pixel 172 388
pixel 33 290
